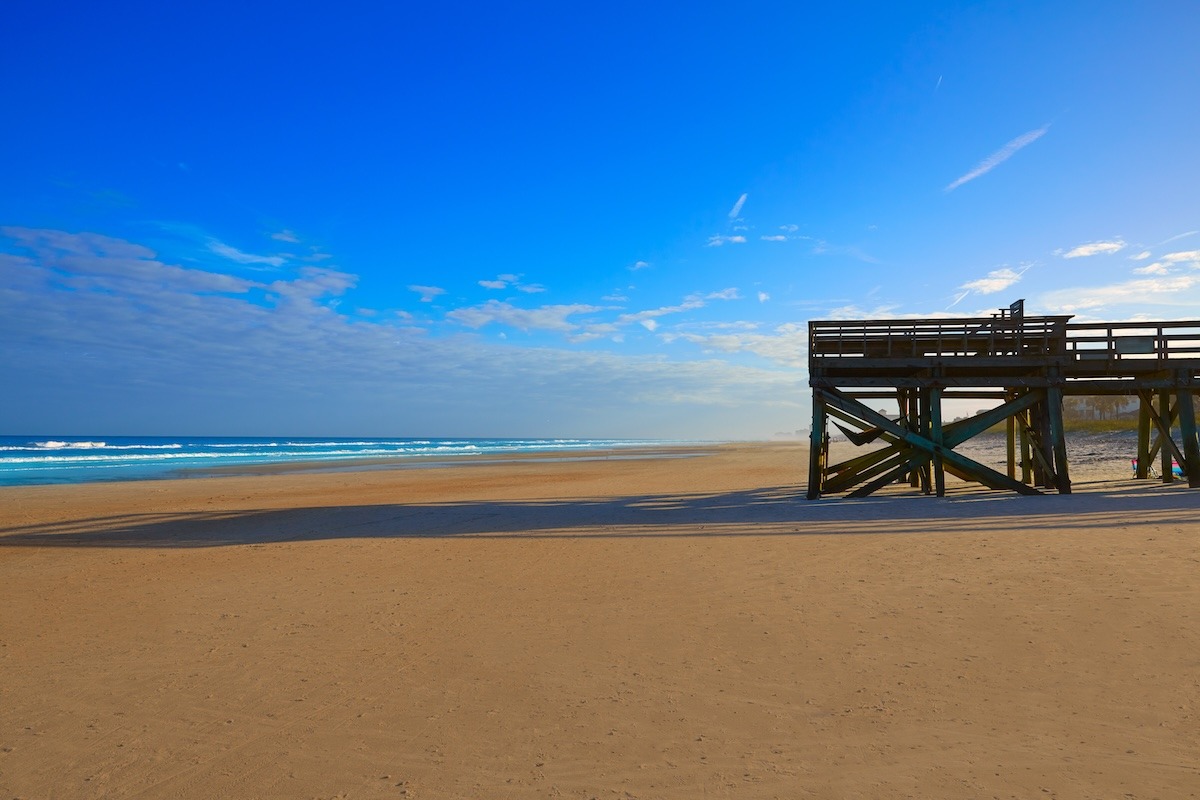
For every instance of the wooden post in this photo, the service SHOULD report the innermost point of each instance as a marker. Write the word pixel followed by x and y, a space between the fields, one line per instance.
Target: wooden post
pixel 914 424
pixel 1046 440
pixel 1143 450
pixel 1010 430
pixel 1187 429
pixel 1164 411
pixel 816 446
pixel 935 423
pixel 926 487
pixel 1054 405
pixel 1026 454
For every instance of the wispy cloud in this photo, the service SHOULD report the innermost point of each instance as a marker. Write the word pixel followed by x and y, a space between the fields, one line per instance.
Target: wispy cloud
pixel 286 236
pixel 719 240
pixel 546 318
pixel 514 281
pixel 823 248
pixel 1095 249
pixel 996 281
pixel 999 157
pixel 737 207
pixel 1186 256
pixel 776 238
pixel 786 345
pixel 1153 268
pixel 1142 256
pixel 233 254
pixel 1171 290
pixel 635 266
pixel 763 297
pixel 428 293
pixel 1178 236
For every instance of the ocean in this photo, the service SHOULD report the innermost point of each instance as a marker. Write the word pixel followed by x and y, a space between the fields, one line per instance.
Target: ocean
pixel 31 460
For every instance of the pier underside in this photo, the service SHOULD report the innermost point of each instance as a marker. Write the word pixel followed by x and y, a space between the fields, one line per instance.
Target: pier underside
pixel 1026 365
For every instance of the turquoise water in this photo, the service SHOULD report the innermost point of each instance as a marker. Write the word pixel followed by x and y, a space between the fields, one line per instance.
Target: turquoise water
pixel 27 460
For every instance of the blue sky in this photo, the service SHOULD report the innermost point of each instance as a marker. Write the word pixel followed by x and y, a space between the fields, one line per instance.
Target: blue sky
pixel 541 219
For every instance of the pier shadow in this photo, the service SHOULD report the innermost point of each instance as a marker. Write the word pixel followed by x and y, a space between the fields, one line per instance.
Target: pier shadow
pixel 772 511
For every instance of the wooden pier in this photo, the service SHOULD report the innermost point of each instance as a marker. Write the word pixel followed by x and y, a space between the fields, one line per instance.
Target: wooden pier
pixel 1026 363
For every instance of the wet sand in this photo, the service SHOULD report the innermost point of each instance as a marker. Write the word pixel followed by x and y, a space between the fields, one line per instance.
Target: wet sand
pixel 612 628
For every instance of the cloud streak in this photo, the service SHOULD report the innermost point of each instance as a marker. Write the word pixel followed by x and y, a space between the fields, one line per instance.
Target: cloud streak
pixel 233 254
pixel 737 207
pixel 1095 249
pixel 999 157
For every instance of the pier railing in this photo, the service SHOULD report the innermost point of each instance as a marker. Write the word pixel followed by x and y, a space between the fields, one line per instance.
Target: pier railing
pixel 938 338
pixel 1133 341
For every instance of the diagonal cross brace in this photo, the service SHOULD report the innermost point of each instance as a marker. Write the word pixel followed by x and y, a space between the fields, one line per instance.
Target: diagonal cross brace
pixel 984 474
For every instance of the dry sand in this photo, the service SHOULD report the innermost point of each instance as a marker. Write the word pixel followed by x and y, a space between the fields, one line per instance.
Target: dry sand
pixel 653 629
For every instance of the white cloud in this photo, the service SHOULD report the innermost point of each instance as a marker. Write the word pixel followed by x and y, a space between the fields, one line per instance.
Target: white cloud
pixel 763 297
pixel 719 240
pixel 1187 256
pixel 615 298
pixel 286 236
pixel 233 254
pixel 999 157
pixel 775 238
pixel 1155 268
pixel 1095 248
pixel 1142 256
pixel 546 318
pixel 649 324
pixel 635 266
pixel 508 279
pixel 725 294
pixel 737 207
pixel 428 293
pixel 789 228
pixel 787 345
pixel 1148 291
pixel 996 281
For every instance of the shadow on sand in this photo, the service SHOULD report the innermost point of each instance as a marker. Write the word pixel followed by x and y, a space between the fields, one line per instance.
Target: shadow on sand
pixel 774 511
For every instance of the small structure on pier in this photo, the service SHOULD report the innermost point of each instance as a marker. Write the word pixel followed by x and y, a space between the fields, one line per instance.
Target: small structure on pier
pixel 1029 363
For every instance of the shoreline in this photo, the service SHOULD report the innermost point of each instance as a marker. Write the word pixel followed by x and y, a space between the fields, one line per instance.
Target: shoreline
pixel 440 462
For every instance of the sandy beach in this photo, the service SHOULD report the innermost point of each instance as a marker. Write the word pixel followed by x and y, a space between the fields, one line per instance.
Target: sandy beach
pixel 612 628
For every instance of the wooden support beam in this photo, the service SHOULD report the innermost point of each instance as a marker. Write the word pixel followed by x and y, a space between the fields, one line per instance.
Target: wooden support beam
pixel 935 435
pixel 1010 439
pixel 881 481
pixel 1058 434
pixel 926 424
pixel 816 445
pixel 1164 413
pixel 1169 448
pixel 914 424
pixel 1143 451
pixel 1187 431
pixel 1026 448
